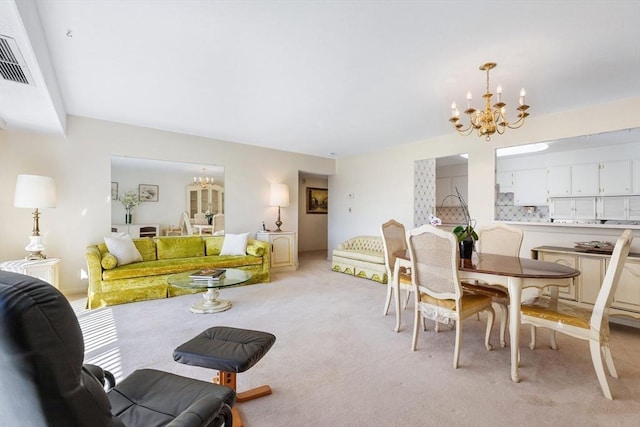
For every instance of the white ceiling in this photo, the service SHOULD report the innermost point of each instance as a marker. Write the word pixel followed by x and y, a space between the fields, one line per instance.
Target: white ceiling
pixel 311 76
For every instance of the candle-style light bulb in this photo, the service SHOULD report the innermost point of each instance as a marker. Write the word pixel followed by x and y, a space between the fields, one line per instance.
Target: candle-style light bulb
pixel 469 99
pixel 499 92
pixel 523 92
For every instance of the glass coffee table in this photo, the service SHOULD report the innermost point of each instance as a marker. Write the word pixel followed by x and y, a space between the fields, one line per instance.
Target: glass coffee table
pixel 211 303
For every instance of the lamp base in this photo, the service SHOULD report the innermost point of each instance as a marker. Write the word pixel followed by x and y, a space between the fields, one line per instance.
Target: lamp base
pixel 278 222
pixel 35 248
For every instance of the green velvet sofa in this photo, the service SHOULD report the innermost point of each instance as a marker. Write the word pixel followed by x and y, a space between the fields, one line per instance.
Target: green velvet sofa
pixel 162 257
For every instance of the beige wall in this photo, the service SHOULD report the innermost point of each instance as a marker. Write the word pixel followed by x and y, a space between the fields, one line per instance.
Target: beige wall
pixel 81 166
pixel 383 181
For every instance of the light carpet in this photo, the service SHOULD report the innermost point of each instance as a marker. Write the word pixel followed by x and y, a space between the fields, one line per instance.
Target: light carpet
pixel 337 361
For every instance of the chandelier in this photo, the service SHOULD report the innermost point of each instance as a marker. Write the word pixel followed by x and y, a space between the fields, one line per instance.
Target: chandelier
pixel 491 119
pixel 203 180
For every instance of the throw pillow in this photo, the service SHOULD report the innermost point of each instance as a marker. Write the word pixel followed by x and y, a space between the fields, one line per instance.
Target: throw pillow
pixel 234 244
pixel 109 261
pixel 123 249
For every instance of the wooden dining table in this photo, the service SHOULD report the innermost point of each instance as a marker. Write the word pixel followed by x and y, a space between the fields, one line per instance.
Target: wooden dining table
pixel 513 274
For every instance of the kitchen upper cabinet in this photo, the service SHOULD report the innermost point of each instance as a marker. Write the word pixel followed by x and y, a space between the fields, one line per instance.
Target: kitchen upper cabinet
pixel 616 178
pixel 504 181
pixel 585 179
pixel 559 181
pixel 529 187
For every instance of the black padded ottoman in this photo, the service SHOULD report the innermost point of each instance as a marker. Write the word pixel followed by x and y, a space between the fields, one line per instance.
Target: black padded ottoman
pixel 230 351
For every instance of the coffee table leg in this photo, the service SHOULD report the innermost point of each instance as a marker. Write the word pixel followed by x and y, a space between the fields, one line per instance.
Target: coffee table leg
pixel 210 304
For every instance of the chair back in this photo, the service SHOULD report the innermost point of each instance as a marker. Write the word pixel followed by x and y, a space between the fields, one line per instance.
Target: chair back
pixel 218 222
pixel 394 239
pixel 41 357
pixel 187 223
pixel 434 262
pixel 500 239
pixel 600 313
pixel 200 218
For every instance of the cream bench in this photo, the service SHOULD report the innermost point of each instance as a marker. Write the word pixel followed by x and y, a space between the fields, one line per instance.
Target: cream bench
pixel 361 256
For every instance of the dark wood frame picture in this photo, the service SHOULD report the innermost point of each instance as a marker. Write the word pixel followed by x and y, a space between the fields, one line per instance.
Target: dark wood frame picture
pixel 317 200
pixel 148 192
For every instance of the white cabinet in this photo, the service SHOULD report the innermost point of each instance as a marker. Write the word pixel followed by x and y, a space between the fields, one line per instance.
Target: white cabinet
pixel 137 230
pixel 45 269
pixel 529 187
pixel 573 208
pixel 559 181
pixel 615 178
pixel 504 180
pixel 446 186
pixel 201 199
pixel 585 179
pixel 565 259
pixel 284 254
pixel 619 208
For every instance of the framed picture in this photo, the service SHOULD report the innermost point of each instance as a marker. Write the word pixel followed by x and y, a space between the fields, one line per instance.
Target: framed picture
pixel 148 193
pixel 114 191
pixel 317 200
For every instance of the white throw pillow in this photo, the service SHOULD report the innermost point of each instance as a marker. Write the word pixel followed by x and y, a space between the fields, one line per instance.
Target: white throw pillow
pixel 123 248
pixel 234 244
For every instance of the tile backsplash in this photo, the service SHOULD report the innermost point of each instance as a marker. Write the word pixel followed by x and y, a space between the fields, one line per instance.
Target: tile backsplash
pixel 505 211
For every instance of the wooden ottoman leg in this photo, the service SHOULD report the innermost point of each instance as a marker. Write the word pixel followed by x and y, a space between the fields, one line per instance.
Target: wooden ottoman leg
pixel 229 379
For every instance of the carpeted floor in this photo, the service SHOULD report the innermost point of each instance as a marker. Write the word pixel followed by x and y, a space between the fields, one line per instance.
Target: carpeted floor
pixel 337 361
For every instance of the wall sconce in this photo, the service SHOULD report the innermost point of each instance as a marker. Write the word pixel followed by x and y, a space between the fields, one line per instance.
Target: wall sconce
pixel 279 198
pixel 35 191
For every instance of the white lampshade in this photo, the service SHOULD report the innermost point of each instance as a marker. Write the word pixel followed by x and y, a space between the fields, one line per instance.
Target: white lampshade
pixel 279 195
pixel 35 191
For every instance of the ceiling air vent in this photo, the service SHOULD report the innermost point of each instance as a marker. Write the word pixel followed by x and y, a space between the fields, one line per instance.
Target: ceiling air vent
pixel 12 66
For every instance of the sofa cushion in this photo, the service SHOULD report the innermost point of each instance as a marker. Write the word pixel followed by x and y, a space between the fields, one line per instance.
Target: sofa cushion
pixel 234 244
pixel 360 255
pixel 253 249
pixel 123 249
pixel 147 248
pixel 179 247
pixel 109 261
pixel 171 266
pixel 213 245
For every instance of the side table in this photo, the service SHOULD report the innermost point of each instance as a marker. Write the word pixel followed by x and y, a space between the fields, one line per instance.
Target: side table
pixel 44 269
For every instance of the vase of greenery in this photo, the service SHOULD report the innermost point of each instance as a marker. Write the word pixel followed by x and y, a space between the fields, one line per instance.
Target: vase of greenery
pixel 465 233
pixel 129 200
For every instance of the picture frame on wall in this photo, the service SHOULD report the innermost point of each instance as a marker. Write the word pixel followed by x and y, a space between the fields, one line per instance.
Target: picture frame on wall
pixel 114 191
pixel 317 200
pixel 148 192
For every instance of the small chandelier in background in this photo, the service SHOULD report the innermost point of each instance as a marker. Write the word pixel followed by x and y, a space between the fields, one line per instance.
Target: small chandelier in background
pixel 491 119
pixel 203 180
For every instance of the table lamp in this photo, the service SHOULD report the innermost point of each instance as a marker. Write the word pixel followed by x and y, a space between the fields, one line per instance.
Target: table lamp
pixel 279 198
pixel 35 192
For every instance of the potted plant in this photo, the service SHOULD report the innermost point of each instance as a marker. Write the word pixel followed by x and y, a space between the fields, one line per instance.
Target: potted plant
pixel 465 232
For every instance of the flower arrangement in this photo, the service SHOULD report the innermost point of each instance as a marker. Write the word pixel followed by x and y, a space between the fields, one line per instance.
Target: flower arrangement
pixel 129 199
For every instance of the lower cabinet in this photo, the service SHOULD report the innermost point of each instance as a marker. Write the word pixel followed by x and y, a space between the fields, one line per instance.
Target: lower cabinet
pixel 284 255
pixel 593 266
pixel 137 230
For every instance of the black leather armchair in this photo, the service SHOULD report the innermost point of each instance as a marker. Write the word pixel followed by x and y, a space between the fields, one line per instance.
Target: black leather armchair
pixel 43 380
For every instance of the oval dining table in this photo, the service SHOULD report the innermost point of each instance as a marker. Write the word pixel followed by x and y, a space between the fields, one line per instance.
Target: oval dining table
pixel 513 274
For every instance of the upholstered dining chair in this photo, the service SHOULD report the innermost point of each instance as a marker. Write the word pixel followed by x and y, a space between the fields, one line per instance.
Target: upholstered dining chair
pixel 178 229
pixel 589 325
pixel 499 239
pixel 187 224
pixel 45 383
pixel 438 293
pixel 200 218
pixel 394 239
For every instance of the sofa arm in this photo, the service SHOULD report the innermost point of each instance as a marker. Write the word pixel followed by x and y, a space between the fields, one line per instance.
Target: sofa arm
pixel 94 269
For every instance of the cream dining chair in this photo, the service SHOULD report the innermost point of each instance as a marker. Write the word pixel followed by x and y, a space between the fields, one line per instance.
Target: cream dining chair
pixel 394 239
pixel 187 224
pixel 438 294
pixel 499 239
pixel 589 325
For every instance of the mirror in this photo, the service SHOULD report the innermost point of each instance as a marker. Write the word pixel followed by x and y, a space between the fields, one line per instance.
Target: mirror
pixel 451 174
pixel 586 179
pixel 166 190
